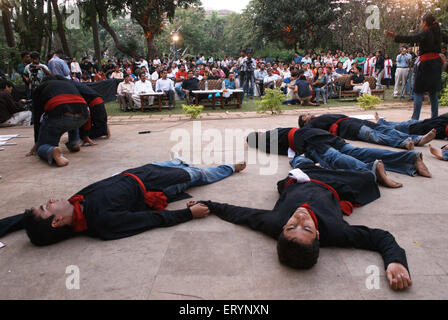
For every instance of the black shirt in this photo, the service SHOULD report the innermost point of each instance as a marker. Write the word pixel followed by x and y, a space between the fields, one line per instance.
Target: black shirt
pixel 357 79
pixel 356 187
pixel 191 84
pixel 303 88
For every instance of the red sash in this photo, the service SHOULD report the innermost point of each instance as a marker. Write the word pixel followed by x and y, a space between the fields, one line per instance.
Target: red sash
pixel 88 125
pixel 96 102
pixel 346 206
pixel 156 200
pixel 446 131
pixel 62 99
pixel 291 138
pixel 430 56
pixel 311 212
pixel 79 223
pixel 334 129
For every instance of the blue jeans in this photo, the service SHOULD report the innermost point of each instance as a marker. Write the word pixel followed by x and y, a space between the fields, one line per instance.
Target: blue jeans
pixel 445 155
pixel 418 102
pixel 386 136
pixel 298 161
pixel 400 126
pixel 51 131
pixel 353 158
pixel 249 83
pixel 180 92
pixel 199 177
pixel 320 91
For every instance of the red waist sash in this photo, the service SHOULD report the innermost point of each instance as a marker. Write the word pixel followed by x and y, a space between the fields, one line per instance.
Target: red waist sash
pixel 446 131
pixel 156 200
pixel 79 223
pixel 334 129
pixel 291 138
pixel 62 99
pixel 96 102
pixel 346 206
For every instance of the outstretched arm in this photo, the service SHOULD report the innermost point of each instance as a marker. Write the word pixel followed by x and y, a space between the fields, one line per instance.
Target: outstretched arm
pixel 393 255
pixel 256 219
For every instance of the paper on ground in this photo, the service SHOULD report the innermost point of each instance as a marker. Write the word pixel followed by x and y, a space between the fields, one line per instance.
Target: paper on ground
pixel 1 245
pixel 364 117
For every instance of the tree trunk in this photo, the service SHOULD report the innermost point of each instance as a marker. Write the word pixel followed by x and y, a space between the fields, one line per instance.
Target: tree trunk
pixel 50 26
pixel 60 27
pixel 151 47
pixel 96 39
pixel 6 17
pixel 40 10
pixel 102 18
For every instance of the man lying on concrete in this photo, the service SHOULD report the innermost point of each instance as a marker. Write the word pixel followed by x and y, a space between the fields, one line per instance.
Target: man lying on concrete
pixel 439 124
pixel 121 206
pixel 309 215
pixel 364 130
pixel 332 152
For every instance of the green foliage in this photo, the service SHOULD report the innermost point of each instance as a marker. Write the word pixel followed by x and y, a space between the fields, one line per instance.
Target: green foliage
pixel 272 102
pixel 284 55
pixel 444 98
pixel 368 102
pixel 192 110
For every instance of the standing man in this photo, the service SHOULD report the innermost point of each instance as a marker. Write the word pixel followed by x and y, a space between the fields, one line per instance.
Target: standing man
pixel 259 75
pixel 58 66
pixel 35 72
pixel 401 75
pixel 379 69
pixel 248 67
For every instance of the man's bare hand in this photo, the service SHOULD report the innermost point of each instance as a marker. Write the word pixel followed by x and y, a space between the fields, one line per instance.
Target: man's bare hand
pixel 199 211
pixel 390 34
pixel 191 203
pixel 398 276
pixel 32 151
pixel 87 141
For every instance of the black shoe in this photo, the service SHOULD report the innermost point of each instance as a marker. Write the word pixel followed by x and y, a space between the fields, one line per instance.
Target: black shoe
pixel 395 97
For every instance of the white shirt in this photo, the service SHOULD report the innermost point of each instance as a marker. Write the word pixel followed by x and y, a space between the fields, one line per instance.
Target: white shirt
pixel 348 65
pixel 271 78
pixel 74 67
pixel 309 74
pixel 155 76
pixel 307 60
pixel 164 85
pixel 156 62
pixel 143 87
pixel 124 87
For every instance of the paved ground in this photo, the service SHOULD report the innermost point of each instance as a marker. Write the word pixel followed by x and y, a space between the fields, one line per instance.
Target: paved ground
pixel 211 259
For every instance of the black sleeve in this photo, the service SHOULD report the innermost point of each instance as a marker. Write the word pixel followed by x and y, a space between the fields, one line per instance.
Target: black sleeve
pixel 256 219
pixel 117 225
pixel 38 111
pixel 381 241
pixel 444 37
pixel 415 38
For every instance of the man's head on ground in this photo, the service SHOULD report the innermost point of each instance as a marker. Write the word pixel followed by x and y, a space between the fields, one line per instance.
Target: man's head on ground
pixel 298 244
pixel 49 223
pixel 304 119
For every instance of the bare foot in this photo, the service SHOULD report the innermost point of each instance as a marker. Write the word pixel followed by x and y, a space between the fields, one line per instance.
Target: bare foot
pixel 410 145
pixel 428 137
pixel 108 133
pixel 436 152
pixel 240 167
pixel 421 168
pixel 377 117
pixel 383 179
pixel 60 160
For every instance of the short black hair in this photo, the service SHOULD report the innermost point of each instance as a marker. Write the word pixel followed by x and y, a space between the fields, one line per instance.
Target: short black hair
pixel 252 139
pixel 301 121
pixel 24 54
pixel 59 51
pixel 40 231
pixel 5 83
pixel 35 55
pixel 297 255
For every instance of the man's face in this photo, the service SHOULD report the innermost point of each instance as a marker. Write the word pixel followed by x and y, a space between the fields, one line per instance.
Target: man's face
pixel 27 59
pixel 143 77
pixel 53 207
pixel 190 75
pixel 300 227
pixel 307 118
pixel 35 60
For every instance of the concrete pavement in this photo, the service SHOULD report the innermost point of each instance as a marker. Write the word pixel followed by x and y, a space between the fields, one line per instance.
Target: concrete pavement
pixel 212 259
